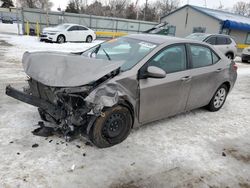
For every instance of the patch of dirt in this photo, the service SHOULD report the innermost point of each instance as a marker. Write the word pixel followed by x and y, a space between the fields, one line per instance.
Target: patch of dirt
pixel 125 185
pixel 4 43
pixel 238 155
pixel 244 185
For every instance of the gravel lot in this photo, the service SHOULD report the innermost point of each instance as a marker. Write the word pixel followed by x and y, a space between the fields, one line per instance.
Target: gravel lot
pixel 194 149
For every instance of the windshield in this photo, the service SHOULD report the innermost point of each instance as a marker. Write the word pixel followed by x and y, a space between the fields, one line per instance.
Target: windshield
pixel 126 49
pixel 62 26
pixel 198 36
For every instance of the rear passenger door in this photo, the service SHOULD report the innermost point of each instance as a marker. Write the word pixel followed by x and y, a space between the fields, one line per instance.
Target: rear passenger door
pixel 83 33
pixel 204 75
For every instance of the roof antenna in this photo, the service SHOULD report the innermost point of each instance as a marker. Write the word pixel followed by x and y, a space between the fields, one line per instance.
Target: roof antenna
pixel 188 2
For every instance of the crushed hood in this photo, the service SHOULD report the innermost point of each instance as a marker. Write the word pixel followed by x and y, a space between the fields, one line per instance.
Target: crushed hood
pixel 64 69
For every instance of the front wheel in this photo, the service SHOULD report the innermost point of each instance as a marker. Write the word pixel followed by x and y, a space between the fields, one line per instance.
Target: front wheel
pixel 218 99
pixel 112 127
pixel 60 39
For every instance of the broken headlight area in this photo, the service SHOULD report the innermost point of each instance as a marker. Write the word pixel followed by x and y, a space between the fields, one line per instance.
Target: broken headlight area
pixel 64 107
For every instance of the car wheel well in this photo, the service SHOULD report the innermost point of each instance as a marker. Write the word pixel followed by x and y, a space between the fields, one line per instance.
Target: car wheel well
pixel 227 84
pixel 231 53
pixel 62 36
pixel 127 104
pixel 88 37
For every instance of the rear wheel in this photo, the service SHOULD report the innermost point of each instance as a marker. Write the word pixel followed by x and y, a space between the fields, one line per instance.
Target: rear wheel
pixel 230 56
pixel 60 39
pixel 89 39
pixel 218 99
pixel 111 128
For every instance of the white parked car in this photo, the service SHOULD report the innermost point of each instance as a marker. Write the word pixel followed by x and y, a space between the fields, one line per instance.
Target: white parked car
pixel 224 43
pixel 68 33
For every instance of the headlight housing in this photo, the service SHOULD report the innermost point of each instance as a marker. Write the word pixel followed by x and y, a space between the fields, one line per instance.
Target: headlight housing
pixel 51 33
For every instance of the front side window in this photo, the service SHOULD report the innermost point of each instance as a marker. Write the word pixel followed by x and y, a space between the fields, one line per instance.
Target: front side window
pixel 172 59
pixel 73 28
pixel 201 56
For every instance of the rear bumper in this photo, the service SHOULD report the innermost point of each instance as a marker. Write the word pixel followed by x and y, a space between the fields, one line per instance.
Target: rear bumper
pixel 52 109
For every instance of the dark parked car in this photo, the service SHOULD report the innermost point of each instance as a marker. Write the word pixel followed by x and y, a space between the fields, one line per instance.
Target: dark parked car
pixel 7 20
pixel 245 56
pixel 104 92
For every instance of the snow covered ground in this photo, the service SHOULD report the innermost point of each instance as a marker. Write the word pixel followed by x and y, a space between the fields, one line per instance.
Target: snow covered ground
pixel 194 149
pixel 10 28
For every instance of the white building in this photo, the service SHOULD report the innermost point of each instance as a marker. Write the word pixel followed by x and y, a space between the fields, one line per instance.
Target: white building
pixel 189 19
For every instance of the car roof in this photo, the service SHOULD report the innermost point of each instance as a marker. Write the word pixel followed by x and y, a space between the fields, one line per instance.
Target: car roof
pixel 215 34
pixel 161 39
pixel 72 24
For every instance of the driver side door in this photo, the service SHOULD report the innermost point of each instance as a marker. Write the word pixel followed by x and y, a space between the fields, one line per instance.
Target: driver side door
pixel 160 98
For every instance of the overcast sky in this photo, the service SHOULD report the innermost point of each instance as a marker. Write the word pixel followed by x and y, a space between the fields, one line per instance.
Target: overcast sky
pixel 210 3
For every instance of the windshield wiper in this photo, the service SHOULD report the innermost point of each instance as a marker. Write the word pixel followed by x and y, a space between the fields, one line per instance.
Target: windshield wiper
pixel 107 54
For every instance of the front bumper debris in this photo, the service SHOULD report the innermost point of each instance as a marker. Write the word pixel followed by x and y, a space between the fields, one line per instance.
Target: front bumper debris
pixel 35 101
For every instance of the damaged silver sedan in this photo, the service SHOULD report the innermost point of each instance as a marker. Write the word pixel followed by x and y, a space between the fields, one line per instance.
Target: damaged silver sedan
pixel 104 92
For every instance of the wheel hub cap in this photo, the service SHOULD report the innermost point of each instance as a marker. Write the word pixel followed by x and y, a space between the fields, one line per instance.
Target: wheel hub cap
pixel 219 98
pixel 113 126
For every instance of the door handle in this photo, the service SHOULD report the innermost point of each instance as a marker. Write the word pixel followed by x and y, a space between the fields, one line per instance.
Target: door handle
pixel 219 70
pixel 186 78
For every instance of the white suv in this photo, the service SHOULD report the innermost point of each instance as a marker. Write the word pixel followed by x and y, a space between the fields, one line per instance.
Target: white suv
pixel 224 43
pixel 68 33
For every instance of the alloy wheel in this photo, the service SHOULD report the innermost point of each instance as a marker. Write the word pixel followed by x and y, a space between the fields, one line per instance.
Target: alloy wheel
pixel 220 97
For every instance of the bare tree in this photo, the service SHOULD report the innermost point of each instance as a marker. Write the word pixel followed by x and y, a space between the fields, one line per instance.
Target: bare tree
pixel 164 7
pixel 242 8
pixel 41 4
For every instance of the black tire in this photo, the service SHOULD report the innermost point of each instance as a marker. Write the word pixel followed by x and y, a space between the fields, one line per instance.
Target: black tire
pixel 60 39
pixel 112 127
pixel 244 61
pixel 230 56
pixel 89 39
pixel 212 104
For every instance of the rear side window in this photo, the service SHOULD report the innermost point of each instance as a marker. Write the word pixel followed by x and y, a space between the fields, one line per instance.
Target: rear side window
pixel 215 57
pixel 172 59
pixel 229 41
pixel 201 56
pixel 222 41
pixel 211 40
pixel 82 28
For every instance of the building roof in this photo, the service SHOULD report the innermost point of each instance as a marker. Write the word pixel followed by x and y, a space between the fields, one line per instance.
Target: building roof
pixel 229 20
pixel 159 39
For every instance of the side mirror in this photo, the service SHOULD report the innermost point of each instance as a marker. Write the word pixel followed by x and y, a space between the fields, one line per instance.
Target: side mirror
pixel 155 72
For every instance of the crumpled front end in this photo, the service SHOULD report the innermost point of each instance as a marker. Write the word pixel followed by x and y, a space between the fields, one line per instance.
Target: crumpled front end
pixel 72 108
